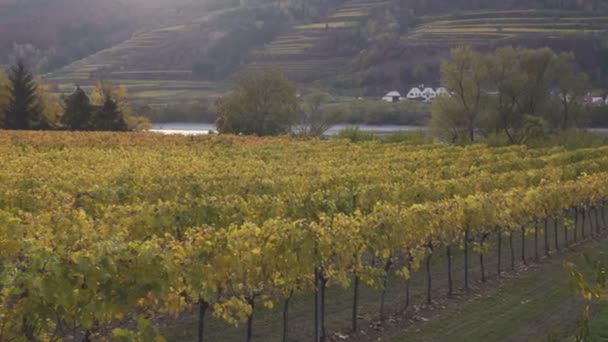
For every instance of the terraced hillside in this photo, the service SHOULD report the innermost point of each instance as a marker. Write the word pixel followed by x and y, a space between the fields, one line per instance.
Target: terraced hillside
pixel 300 52
pixel 155 65
pixel 488 27
pixel 355 49
pixel 414 56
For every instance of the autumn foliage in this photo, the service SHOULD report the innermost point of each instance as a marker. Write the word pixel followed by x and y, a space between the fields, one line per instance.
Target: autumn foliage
pixel 102 231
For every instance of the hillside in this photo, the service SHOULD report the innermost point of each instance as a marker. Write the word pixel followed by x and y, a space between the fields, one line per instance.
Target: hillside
pixel 61 31
pixel 353 47
pixel 413 57
pixel 53 33
pixel 184 60
pixel 303 51
pixel 156 65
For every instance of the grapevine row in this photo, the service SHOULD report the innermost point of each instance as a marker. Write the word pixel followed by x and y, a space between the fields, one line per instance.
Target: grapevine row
pixel 87 248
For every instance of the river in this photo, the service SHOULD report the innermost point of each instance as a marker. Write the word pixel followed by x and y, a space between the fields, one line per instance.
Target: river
pixel 185 128
pixel 202 128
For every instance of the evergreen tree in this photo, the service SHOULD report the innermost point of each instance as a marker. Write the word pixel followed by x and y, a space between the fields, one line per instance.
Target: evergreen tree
pixel 78 111
pixel 109 117
pixel 23 110
pixel 3 95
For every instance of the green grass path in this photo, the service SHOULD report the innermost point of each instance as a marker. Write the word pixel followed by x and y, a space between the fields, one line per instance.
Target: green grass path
pixel 527 306
pixel 530 307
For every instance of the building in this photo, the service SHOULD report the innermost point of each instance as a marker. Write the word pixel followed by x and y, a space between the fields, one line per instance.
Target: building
pixel 442 91
pixel 428 94
pixel 414 94
pixel 392 96
pixel 422 93
pixel 594 100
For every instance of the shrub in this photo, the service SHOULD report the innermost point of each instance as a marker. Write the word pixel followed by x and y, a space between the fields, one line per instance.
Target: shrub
pixel 355 135
pixel 410 138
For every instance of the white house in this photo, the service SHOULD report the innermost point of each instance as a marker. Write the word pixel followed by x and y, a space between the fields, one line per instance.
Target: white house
pixel 592 100
pixel 392 96
pixel 563 97
pixel 428 94
pixel 414 94
pixel 442 91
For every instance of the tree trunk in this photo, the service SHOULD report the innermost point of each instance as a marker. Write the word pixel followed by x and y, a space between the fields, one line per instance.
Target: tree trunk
pixel 583 223
pixel 555 228
pixel 317 306
pixel 323 290
pixel 483 268
pixel 251 302
pixel 594 218
pixel 387 267
pixel 450 284
pixel 591 223
pixel 407 292
pixel 591 228
pixel 597 221
pixel 408 282
pixel 603 215
pixel 536 242
pixel 87 336
pixel 499 242
pixel 28 331
pixel 428 278
pixel 466 259
pixel 575 224
pixel 355 304
pixel 523 245
pixel 286 317
pixel 202 310
pixel 512 251
pixel 547 247
pixel 566 242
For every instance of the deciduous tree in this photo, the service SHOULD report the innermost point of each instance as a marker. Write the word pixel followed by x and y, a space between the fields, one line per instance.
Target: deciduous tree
pixel 119 93
pixel 570 86
pixel 520 93
pixel 316 120
pixel 509 80
pixel 458 116
pixel 264 103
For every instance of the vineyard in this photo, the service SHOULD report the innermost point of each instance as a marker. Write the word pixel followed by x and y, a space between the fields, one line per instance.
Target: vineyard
pixel 487 27
pixel 109 235
pixel 299 52
pixel 146 63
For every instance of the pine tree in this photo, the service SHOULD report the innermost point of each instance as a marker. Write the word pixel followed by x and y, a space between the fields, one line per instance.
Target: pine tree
pixel 23 110
pixel 78 111
pixel 109 117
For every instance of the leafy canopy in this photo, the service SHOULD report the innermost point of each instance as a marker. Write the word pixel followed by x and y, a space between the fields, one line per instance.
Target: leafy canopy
pixel 264 103
pixel 519 93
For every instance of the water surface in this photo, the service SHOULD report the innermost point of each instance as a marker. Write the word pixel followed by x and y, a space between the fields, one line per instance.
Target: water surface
pixel 203 128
